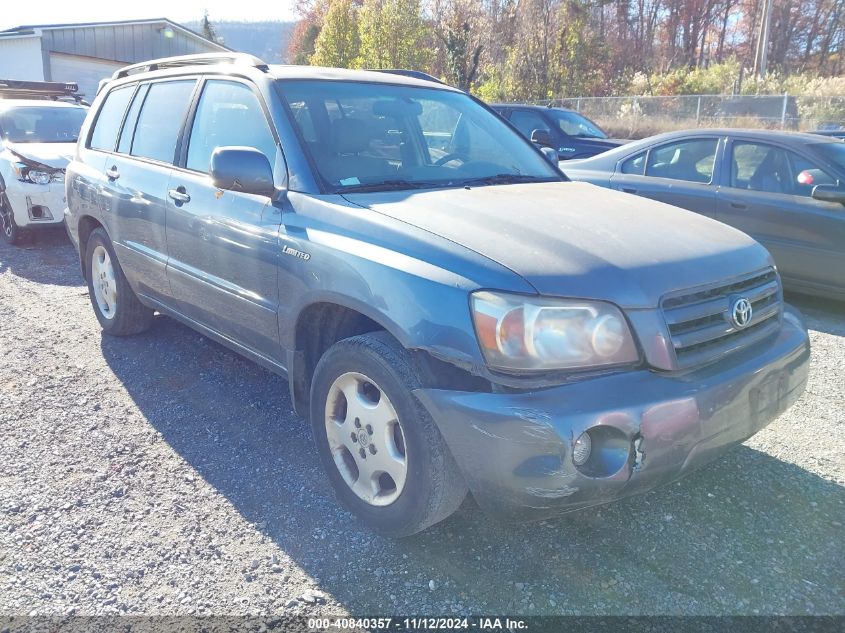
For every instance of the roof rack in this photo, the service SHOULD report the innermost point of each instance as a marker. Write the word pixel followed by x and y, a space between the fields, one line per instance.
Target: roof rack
pixel 416 74
pixel 202 59
pixel 55 90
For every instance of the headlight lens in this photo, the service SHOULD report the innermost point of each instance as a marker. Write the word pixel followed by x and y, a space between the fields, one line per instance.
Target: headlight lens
pixel 534 333
pixel 39 177
pixel 36 176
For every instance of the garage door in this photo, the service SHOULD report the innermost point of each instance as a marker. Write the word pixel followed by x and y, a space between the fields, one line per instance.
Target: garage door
pixel 85 71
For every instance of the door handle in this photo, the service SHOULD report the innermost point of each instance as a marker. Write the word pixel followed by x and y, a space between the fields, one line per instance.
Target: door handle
pixel 738 205
pixel 112 173
pixel 180 196
pixel 629 190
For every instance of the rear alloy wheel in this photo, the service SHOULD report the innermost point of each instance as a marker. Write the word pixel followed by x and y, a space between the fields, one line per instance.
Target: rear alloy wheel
pixel 116 306
pixel 381 450
pixel 105 286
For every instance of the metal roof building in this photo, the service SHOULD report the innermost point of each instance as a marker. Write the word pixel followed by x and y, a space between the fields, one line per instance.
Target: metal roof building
pixel 87 53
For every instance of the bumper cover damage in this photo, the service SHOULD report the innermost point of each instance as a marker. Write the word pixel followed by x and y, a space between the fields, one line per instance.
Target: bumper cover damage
pixel 648 428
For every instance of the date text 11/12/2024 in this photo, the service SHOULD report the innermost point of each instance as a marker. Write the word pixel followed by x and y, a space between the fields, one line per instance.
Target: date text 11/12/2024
pixel 418 624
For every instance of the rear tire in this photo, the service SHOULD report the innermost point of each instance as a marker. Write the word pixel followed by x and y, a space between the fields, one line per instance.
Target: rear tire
pixel 411 480
pixel 116 306
pixel 11 232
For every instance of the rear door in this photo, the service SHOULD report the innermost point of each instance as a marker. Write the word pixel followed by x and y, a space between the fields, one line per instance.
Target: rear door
pixel 766 193
pixel 136 177
pixel 223 245
pixel 87 183
pixel 682 173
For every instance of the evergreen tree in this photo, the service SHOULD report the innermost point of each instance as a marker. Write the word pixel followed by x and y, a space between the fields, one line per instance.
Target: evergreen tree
pixel 207 29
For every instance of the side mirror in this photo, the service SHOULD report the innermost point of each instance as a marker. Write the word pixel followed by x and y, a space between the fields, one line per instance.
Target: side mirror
pixel 542 138
pixel 242 169
pixel 551 154
pixel 829 193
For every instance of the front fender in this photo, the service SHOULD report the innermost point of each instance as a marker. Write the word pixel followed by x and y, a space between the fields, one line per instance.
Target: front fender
pixel 413 283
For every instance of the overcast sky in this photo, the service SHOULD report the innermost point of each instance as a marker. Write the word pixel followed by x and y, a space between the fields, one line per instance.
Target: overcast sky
pixel 15 13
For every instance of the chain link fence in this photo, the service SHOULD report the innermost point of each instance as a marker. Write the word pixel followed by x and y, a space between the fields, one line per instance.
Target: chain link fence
pixel 634 117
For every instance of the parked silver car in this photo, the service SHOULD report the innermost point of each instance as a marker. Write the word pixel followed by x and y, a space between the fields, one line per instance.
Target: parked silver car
pixel 784 189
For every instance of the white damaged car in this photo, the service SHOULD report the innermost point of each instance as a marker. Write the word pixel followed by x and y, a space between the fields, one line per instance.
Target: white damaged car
pixel 37 141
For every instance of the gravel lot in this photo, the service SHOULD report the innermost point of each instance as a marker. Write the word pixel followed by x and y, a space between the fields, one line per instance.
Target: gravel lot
pixel 163 474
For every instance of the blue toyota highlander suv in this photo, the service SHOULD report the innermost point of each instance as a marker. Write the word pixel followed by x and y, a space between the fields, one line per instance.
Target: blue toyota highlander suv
pixel 450 312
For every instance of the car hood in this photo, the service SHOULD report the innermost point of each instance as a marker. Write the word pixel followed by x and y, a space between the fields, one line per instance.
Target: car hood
pixel 603 142
pixel 580 144
pixel 56 155
pixel 574 239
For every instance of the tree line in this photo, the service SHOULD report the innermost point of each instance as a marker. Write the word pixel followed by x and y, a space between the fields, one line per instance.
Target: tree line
pixel 539 49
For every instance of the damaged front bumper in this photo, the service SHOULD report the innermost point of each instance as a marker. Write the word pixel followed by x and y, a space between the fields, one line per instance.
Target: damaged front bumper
pixel 37 204
pixel 647 428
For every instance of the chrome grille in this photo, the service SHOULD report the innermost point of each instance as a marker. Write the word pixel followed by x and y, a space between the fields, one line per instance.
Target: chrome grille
pixel 700 322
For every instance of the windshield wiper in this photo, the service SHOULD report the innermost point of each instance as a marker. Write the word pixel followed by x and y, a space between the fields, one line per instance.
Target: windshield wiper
pixel 504 179
pixel 387 185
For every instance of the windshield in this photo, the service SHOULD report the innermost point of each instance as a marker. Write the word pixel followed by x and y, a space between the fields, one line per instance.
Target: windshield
pixel 834 152
pixel 575 124
pixel 41 124
pixel 370 136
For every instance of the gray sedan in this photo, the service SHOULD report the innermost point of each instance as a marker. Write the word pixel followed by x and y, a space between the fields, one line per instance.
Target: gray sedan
pixel 786 190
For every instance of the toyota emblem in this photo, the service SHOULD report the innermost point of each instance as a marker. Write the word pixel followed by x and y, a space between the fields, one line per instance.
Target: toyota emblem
pixel 741 312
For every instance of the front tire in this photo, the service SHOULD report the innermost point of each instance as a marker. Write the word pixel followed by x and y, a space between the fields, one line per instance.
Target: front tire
pixel 11 232
pixel 381 450
pixel 116 306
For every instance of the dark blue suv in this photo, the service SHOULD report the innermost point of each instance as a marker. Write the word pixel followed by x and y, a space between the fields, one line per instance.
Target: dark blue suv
pixel 450 312
pixel 569 133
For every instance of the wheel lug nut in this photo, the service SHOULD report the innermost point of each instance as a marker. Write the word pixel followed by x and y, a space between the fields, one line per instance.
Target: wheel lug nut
pixel 372 449
pixel 357 423
pixel 354 437
pixel 363 454
pixel 370 429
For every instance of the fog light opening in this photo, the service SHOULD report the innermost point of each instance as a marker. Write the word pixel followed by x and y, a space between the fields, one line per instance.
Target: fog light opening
pixel 581 449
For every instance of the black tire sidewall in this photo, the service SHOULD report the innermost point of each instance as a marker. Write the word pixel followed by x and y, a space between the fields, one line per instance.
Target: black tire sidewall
pixel 9 215
pixel 410 509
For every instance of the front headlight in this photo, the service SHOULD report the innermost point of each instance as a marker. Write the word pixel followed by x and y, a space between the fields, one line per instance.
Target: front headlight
pixel 39 177
pixel 25 173
pixel 540 334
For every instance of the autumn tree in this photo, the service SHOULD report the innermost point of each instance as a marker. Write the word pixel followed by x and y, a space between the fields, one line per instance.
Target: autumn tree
pixel 458 27
pixel 393 33
pixel 338 43
pixel 304 39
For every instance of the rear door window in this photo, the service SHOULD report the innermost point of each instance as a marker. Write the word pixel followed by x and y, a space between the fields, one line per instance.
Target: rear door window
pixel 107 125
pixel 160 121
pixel 690 160
pixel 228 114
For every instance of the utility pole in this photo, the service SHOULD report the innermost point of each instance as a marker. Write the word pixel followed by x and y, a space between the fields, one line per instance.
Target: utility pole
pixel 762 53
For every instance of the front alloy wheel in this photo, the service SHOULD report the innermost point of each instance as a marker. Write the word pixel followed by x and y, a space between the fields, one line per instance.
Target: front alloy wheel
pixel 366 439
pixel 382 452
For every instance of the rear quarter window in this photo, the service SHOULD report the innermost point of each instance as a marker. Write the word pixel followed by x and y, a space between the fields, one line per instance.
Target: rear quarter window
pixel 634 165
